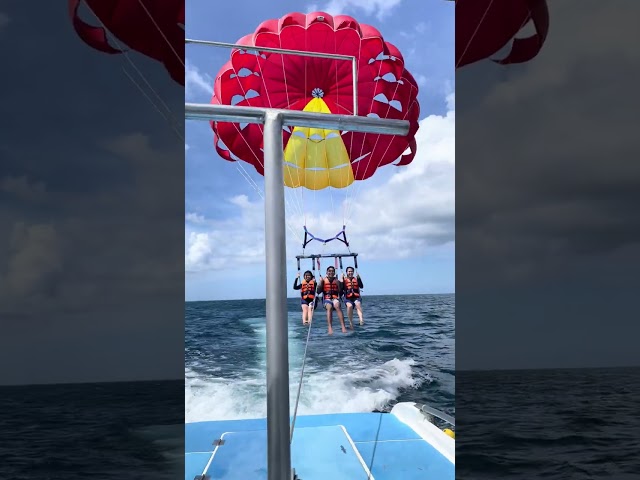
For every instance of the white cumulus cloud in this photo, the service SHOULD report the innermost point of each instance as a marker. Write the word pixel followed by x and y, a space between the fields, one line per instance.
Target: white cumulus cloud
pixel 413 211
pixel 380 8
pixel 196 82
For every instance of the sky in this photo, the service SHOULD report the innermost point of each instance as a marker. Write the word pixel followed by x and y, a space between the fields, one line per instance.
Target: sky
pixel 547 184
pixel 92 199
pixel 401 222
pixel 91 214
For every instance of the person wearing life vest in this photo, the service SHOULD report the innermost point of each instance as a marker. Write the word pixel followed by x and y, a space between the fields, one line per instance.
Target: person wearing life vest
pixel 352 297
pixel 331 289
pixel 307 295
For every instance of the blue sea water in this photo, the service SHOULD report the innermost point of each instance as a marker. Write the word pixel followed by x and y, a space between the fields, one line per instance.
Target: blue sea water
pixel 93 430
pixel 551 424
pixel 404 352
pixel 555 424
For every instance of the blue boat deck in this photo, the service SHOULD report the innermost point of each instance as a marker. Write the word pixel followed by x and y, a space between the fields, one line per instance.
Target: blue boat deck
pixel 352 446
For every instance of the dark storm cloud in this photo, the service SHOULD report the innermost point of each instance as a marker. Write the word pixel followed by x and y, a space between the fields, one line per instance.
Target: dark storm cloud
pixel 91 208
pixel 548 184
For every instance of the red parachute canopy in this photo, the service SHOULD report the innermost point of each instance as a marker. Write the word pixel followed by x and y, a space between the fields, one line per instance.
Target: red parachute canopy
pixel 317 158
pixel 154 28
pixel 485 26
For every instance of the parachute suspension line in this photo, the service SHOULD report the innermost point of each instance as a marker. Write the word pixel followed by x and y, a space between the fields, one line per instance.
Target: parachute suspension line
pixel 256 187
pixel 168 119
pixel 350 192
pixel 358 188
pixel 296 205
pixel 406 113
pixel 173 122
pixel 160 31
pixel 297 200
pixel 466 47
pixel 335 64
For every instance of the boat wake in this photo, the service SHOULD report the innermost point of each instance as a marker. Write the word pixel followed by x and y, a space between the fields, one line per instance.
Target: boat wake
pixel 345 389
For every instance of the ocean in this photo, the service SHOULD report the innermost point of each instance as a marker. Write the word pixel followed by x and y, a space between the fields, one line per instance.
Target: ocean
pixel 555 424
pixel 552 424
pixel 404 352
pixel 92 430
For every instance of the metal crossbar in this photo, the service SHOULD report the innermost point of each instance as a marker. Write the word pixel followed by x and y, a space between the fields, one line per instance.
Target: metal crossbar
pixel 334 56
pixel 296 118
pixel 339 256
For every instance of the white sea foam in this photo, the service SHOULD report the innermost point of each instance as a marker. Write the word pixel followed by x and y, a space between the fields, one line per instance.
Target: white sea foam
pixel 345 389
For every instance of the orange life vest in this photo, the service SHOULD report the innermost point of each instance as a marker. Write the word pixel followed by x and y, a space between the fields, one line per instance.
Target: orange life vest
pixel 330 289
pixel 352 290
pixel 308 290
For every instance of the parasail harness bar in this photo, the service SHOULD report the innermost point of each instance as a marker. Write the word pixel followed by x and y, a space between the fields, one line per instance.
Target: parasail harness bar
pixel 309 237
pixel 338 256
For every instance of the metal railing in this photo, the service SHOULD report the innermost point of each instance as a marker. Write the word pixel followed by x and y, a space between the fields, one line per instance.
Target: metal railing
pixel 286 51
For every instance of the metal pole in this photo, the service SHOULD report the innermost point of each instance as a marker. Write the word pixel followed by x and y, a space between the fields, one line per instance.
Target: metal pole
pixel 354 66
pixel 278 447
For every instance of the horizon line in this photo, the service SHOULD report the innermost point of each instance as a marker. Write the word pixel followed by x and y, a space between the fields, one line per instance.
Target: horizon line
pixel 297 297
pixel 167 380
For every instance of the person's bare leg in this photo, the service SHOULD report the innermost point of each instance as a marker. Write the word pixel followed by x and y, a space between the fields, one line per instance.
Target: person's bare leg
pixel 360 314
pixel 350 313
pixel 329 318
pixel 305 314
pixel 310 314
pixel 336 305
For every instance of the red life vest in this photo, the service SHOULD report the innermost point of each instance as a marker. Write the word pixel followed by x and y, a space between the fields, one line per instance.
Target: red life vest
pixel 352 290
pixel 308 290
pixel 330 289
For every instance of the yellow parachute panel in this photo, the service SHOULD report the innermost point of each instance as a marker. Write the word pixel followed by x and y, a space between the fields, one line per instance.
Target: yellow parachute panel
pixel 316 158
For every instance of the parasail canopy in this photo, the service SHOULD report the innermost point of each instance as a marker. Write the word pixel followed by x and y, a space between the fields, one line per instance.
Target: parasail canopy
pixel 483 27
pixel 154 28
pixel 318 158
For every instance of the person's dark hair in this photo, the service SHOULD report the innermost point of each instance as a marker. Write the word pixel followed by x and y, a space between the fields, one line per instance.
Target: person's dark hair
pixel 349 268
pixel 331 268
pixel 309 272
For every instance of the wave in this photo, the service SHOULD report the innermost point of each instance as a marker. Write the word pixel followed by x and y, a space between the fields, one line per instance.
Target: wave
pixel 334 390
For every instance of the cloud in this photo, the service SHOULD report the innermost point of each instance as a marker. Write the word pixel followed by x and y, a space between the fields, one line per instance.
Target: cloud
pixel 82 259
pixel 33 262
pixel 416 208
pixel 227 243
pixel 550 187
pixel 380 8
pixel 22 188
pixel 196 82
pixel 421 79
pixel 401 218
pixel 195 218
